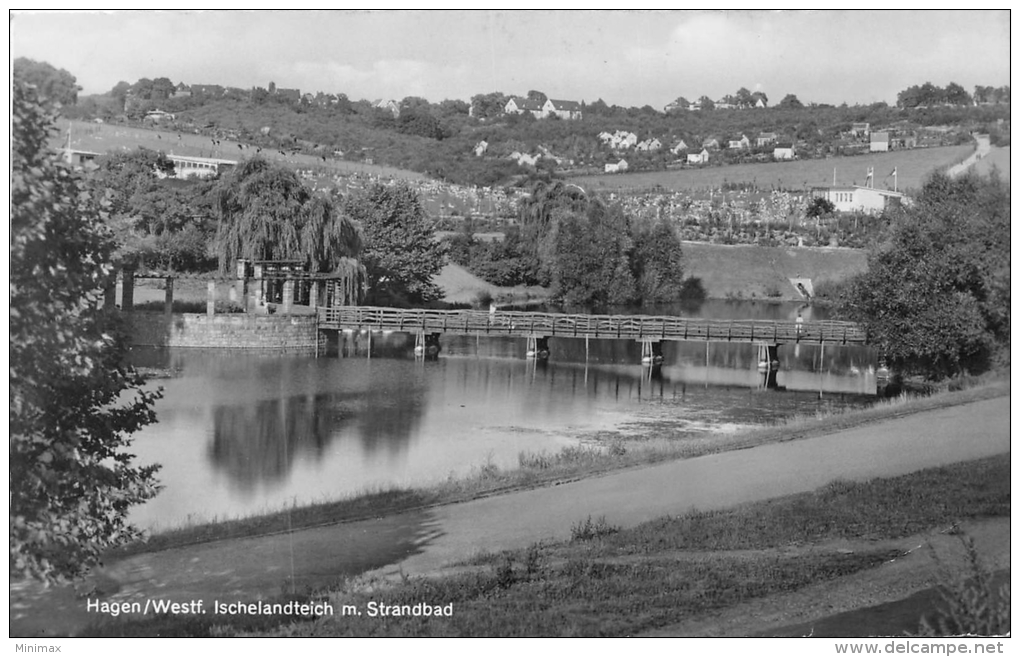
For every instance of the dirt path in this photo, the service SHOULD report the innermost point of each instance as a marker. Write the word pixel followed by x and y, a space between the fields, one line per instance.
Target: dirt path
pixel 984 146
pixel 423 542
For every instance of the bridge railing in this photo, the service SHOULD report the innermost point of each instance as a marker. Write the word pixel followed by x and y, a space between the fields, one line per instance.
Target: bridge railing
pixel 638 327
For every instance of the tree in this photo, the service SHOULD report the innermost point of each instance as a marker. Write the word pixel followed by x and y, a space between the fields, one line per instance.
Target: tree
pixel 52 84
pixel 487 106
pixel 267 213
pixel 790 101
pixel 706 103
pixel 592 266
pixel 400 253
pixel 935 298
pixel 657 263
pixel 820 207
pixel 73 403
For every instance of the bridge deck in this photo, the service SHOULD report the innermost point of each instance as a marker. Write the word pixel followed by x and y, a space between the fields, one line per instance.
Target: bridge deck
pixel 634 327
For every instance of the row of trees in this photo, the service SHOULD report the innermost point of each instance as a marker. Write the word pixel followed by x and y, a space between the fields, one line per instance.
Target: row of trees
pixel 928 95
pixel 588 252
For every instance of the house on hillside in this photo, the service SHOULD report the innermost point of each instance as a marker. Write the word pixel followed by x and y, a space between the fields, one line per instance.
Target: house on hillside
pixel 517 105
pixel 480 148
pixel 739 144
pixel 564 109
pixel 698 158
pixel 711 143
pixel 679 147
pixel 784 151
pixel 619 167
pixel 879 142
pixel 181 91
pixel 523 159
pixel 765 139
pixel 648 145
pixel 198 167
pixel 760 104
pixel 619 140
pixel 390 106
pixel 854 198
pixel 860 129
pixel 158 116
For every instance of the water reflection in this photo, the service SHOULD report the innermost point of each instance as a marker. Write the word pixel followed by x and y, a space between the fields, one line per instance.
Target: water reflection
pixel 241 433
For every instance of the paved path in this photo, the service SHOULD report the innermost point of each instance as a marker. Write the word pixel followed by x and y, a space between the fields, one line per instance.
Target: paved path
pixel 422 542
pixel 889 448
pixel 984 147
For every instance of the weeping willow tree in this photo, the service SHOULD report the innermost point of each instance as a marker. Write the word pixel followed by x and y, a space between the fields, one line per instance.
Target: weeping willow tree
pixel 267 213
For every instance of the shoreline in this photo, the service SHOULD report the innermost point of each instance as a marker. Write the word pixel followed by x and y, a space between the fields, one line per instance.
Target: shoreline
pixel 538 470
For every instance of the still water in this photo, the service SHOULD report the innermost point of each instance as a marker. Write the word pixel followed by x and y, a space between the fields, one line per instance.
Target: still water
pixel 241 433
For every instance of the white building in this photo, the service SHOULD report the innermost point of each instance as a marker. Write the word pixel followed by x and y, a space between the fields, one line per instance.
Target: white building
pixel 854 198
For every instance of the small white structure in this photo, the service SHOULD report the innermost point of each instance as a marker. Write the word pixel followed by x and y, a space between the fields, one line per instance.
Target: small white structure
pixel 619 167
pixel 648 145
pixel 678 147
pixel 784 152
pixel 879 142
pixel 698 158
pixel 198 167
pixel 481 147
pixel 854 198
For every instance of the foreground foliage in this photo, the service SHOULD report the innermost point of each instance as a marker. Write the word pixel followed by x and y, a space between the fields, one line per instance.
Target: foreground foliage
pixel 936 296
pixel 73 404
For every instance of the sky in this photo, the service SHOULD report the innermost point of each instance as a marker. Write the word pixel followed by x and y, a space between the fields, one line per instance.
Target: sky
pixel 629 58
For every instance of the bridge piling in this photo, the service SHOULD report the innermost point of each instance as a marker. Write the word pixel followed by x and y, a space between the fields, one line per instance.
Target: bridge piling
pixel 651 352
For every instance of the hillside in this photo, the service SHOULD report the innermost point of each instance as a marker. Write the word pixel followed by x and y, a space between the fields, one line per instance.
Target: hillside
pixel 759 272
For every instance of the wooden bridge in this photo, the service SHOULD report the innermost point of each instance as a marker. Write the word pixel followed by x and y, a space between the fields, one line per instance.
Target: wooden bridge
pixel 642 328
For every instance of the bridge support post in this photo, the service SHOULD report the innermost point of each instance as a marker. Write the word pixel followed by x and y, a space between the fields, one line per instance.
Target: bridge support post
pixel 427 345
pixel 288 296
pixel 127 300
pixel 168 304
pixel 538 347
pixel 768 365
pixel 651 352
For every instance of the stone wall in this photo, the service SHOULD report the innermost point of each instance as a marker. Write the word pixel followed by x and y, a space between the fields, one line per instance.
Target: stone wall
pixel 290 333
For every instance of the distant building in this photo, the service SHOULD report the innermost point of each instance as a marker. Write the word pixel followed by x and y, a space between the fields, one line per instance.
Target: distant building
pixel 390 106
pixel 741 143
pixel 860 199
pixel 78 159
pixel 784 152
pixel 860 129
pixel 879 142
pixel 678 147
pixel 565 109
pixel 198 167
pixel 157 116
pixel 517 105
pixel 698 158
pixel 766 138
pixel 618 167
pixel 648 145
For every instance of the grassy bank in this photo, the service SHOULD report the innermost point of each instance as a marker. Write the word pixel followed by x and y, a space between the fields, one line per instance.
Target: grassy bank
pixel 761 272
pixel 605 453
pixel 610 582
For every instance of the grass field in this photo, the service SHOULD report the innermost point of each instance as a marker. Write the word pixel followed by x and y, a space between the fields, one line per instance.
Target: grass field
pixel 102 138
pixel 759 272
pixel 912 166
